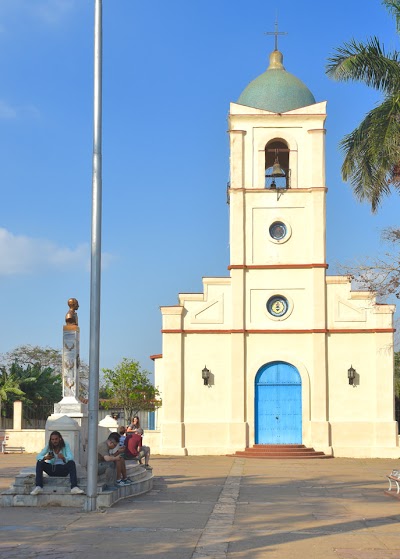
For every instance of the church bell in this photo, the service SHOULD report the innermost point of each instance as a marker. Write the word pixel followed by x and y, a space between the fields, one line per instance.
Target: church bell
pixel 277 170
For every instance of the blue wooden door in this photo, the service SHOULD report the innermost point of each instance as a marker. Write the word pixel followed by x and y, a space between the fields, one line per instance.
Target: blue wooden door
pixel 278 404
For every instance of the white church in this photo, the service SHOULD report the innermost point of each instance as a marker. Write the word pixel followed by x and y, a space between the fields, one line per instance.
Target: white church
pixel 278 352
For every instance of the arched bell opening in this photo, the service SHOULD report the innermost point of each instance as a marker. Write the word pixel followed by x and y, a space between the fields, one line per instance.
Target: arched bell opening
pixel 277 171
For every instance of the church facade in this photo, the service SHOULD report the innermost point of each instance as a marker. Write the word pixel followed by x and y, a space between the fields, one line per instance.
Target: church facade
pixel 278 352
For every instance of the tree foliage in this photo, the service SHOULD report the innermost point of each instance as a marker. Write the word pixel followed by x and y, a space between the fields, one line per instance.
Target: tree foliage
pixel 39 385
pixel 128 387
pixel 34 385
pixel 372 160
pixel 397 374
pixel 26 355
pixel 45 357
pixel 380 275
pixel 9 387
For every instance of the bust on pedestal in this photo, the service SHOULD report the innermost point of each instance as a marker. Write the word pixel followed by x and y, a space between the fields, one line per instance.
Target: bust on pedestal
pixel 70 362
pixel 70 405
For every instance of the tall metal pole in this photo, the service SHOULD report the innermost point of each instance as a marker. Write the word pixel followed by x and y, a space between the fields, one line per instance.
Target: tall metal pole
pixel 95 271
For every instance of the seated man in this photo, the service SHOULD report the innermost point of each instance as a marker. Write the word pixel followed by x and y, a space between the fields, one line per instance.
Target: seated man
pixel 56 460
pixel 135 450
pixel 108 461
pixel 120 449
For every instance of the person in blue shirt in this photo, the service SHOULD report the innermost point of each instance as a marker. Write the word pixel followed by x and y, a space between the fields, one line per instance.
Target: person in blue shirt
pixel 122 435
pixel 57 460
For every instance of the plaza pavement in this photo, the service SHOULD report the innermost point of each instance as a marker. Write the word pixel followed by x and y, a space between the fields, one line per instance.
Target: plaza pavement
pixel 220 507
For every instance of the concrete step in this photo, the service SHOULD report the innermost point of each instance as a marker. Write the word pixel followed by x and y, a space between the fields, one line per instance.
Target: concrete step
pixel 57 490
pixel 278 446
pixel 281 456
pixel 290 452
pixel 280 451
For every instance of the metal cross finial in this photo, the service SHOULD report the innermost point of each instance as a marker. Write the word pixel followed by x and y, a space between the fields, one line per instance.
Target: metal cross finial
pixel 276 33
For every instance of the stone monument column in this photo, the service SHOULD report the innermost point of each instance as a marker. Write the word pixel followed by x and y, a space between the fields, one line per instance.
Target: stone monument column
pixel 70 405
pixel 70 363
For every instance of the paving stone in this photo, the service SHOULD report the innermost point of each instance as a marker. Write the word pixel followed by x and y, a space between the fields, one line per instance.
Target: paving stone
pixel 220 509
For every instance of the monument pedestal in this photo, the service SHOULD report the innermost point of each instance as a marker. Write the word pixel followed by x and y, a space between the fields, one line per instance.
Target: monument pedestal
pixel 71 432
pixel 80 419
pixel 70 406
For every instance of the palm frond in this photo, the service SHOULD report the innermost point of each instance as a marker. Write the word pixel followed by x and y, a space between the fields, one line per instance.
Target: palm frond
pixel 394 8
pixel 367 63
pixel 372 153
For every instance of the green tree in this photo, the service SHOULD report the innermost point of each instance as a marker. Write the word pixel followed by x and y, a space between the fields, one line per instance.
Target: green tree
pixel 27 355
pixel 9 386
pixel 129 387
pixel 372 160
pixel 37 386
pixel 397 373
pixel 30 355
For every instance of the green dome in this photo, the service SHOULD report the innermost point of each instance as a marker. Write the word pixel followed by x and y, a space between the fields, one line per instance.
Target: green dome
pixel 276 90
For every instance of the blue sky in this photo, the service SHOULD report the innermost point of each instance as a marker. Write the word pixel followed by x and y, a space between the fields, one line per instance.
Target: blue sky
pixel 170 71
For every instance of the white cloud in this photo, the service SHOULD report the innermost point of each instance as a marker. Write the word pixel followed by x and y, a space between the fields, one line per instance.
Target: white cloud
pixel 53 11
pixel 22 255
pixel 50 12
pixel 8 111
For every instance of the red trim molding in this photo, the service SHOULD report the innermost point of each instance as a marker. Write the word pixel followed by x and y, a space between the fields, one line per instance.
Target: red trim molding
pixel 276 266
pixel 202 331
pixel 157 356
pixel 310 331
pixel 358 331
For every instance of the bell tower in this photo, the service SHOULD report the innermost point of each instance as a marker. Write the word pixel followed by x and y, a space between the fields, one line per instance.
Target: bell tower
pixel 277 226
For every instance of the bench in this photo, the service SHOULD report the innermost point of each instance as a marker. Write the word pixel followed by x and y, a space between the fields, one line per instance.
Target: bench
pixel 3 441
pixel 7 449
pixel 394 483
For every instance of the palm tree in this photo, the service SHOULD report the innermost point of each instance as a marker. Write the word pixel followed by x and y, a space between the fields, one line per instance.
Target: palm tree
pixel 9 384
pixel 372 150
pixel 40 386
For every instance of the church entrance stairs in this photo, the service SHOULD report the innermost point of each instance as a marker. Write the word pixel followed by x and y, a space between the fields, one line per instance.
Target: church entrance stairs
pixel 281 451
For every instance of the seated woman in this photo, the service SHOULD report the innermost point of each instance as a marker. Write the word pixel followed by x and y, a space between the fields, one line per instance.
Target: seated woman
pixel 56 459
pixel 134 427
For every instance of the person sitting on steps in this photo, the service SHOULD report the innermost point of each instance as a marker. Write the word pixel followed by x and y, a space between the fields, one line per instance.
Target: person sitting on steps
pixel 122 435
pixel 57 460
pixel 134 427
pixel 135 450
pixel 109 458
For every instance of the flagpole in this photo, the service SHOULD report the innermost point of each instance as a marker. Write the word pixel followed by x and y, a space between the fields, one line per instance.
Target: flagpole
pixel 95 270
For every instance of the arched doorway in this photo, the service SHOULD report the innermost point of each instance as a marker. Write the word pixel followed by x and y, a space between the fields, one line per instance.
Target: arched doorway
pixel 278 417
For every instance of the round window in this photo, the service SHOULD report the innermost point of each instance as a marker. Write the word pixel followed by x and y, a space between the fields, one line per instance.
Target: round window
pixel 278 230
pixel 277 305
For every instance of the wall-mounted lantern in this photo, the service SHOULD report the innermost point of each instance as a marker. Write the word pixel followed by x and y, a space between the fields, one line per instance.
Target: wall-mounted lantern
pixel 351 375
pixel 205 375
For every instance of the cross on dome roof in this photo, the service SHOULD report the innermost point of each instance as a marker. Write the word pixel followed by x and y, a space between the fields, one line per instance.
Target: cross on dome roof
pixel 276 33
pixel 276 90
